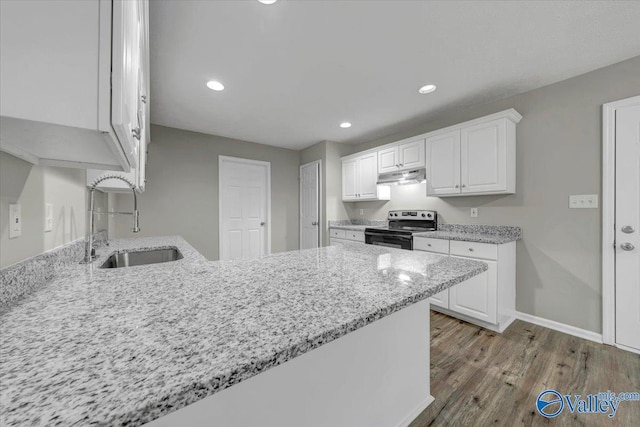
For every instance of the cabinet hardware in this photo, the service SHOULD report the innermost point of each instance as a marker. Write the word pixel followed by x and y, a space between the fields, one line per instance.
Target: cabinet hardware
pixel 457 186
pixel 463 185
pixel 262 223
pixel 314 223
pixel 627 229
pixel 470 249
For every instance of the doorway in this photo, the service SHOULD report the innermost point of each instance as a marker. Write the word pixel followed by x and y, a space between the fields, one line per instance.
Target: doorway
pixel 621 224
pixel 310 206
pixel 244 208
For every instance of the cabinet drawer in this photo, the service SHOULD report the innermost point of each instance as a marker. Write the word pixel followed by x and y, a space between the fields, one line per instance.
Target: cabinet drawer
pixel 431 245
pixel 357 236
pixel 340 234
pixel 474 250
pixel 333 241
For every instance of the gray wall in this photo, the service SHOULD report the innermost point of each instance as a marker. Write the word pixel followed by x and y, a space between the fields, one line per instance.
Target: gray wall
pixel 33 186
pixel 181 197
pixel 332 207
pixel 558 153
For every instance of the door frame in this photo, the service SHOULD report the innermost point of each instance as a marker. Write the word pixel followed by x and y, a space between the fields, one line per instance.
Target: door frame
pixel 221 160
pixel 609 216
pixel 320 223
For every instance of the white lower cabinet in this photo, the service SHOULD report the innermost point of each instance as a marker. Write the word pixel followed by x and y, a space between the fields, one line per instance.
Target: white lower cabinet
pixel 487 299
pixel 338 236
pixel 477 297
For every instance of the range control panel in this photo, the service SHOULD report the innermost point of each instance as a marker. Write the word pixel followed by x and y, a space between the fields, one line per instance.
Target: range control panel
pixel 422 215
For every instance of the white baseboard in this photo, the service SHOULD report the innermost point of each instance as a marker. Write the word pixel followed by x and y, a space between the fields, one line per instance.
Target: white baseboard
pixel 414 414
pixel 561 327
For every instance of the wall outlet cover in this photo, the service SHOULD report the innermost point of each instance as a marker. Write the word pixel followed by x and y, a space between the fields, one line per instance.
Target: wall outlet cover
pixel 15 221
pixel 474 212
pixel 48 217
pixel 361 211
pixel 583 201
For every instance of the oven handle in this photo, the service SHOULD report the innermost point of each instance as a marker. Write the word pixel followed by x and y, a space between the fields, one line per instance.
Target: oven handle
pixel 389 235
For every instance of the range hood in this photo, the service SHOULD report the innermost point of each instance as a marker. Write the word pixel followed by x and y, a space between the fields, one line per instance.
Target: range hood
pixel 414 176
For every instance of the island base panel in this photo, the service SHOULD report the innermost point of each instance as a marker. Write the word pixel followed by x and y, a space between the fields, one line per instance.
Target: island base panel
pixel 377 375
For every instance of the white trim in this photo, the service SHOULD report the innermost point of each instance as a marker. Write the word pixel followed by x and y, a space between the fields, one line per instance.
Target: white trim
pixel 320 225
pixel 608 215
pixel 417 411
pixel 222 159
pixel 625 348
pixel 560 327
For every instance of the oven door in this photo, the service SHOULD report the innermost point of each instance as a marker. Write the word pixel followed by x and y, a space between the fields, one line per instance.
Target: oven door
pixel 389 240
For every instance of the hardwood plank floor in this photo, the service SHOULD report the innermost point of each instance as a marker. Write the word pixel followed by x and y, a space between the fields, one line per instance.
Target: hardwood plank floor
pixel 481 378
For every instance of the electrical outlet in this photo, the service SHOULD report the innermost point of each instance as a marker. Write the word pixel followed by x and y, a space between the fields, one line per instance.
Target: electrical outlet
pixel 48 217
pixel 474 212
pixel 361 211
pixel 583 201
pixel 15 221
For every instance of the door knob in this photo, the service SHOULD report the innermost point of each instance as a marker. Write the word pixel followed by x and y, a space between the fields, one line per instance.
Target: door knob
pixel 627 229
pixel 627 247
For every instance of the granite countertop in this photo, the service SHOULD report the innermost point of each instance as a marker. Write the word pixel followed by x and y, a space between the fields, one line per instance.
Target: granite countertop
pixel 126 346
pixel 494 234
pixel 354 227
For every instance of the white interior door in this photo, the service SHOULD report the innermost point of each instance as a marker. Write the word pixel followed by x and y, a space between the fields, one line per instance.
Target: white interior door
pixel 245 193
pixel 310 217
pixel 627 225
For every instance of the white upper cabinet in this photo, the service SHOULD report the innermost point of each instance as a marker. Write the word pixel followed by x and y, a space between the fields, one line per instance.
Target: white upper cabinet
pixel 130 117
pixel 60 103
pixel 443 164
pixel 483 158
pixel 473 158
pixel 402 156
pixel 349 179
pixel 360 177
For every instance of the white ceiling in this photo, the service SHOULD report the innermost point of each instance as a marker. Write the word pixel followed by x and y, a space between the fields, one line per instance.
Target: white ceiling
pixel 296 69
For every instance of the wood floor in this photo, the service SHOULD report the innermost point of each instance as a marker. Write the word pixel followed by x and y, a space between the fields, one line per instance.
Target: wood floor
pixel 482 378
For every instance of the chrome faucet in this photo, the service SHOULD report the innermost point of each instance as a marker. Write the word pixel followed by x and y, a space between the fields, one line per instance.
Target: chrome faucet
pixel 89 250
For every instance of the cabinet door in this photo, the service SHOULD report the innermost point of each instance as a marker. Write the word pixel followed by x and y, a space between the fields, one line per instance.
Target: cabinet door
pixel 367 173
pixel 443 164
pixel 411 155
pixel 349 179
pixel 483 154
pixel 441 299
pixel 388 160
pixel 126 63
pixel 477 297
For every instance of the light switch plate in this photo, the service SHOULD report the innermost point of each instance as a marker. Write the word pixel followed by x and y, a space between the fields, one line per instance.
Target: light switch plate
pixel 583 201
pixel 48 217
pixel 361 211
pixel 15 221
pixel 474 212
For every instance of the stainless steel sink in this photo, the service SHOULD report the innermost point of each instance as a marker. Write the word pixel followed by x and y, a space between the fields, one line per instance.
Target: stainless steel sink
pixel 142 257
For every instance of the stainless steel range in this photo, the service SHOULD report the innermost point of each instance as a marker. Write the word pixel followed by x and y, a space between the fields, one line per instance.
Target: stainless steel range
pixel 402 226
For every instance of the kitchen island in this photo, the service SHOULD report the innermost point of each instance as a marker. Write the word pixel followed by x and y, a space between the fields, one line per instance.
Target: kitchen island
pixel 183 342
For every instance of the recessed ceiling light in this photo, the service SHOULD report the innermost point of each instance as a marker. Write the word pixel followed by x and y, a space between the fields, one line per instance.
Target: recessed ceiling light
pixel 214 85
pixel 427 89
pixel 267 1
pixel 345 125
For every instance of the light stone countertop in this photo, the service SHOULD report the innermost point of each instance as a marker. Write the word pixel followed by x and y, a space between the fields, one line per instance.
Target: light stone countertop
pixel 126 346
pixel 354 227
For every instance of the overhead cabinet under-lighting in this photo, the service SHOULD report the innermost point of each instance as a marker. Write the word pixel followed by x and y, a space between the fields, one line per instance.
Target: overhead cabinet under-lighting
pixel 477 157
